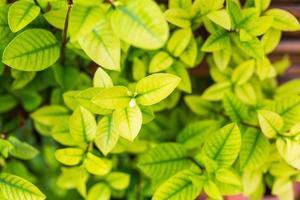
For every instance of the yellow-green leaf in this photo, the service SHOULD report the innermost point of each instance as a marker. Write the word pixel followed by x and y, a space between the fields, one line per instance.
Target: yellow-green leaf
pixel 102 79
pixel 270 122
pixel 69 156
pixel 118 180
pixel 221 18
pixel 283 20
pixel 96 165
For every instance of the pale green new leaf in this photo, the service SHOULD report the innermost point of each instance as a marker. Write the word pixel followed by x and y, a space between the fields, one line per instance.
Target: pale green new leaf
pixel 217 91
pixel 270 40
pixel 15 188
pixel 221 18
pixel 102 45
pixel 289 151
pixel 164 161
pixel 154 88
pixel 262 4
pixel 56 17
pixel 100 191
pixel 180 186
pixel 96 165
pixel 118 180
pixel 179 41
pixel 283 20
pixel 180 71
pixel 254 150
pixel 83 19
pixel 212 190
pixel 228 176
pixel 270 123
pixel 190 54
pixel 224 145
pixel 243 72
pixel 32 50
pixel 199 106
pixel 69 156
pixel 22 150
pixel 116 97
pixel 107 134
pixel 82 125
pixel 142 25
pixel 102 79
pixel 246 93
pixel 216 41
pixel 180 4
pixel 179 17
pixel 128 121
pixel 21 13
pixel 160 61
pixel 222 58
pixel 234 108
pixel 235 12
pixel 61 133
pixel 253 48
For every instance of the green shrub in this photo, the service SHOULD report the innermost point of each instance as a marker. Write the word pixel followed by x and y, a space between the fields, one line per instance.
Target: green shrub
pixel 100 97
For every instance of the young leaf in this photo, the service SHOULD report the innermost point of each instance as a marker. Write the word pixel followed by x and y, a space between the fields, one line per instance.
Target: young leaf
pixel 235 12
pixel 216 41
pixel 228 176
pixel 270 40
pixel 32 50
pixel 243 72
pixel 179 186
pixel 99 191
pixel 199 106
pixel 69 156
pixel 164 161
pixel 179 41
pixel 189 55
pixel 61 134
pixel 102 45
pixel 212 190
pixel 221 18
pixel 283 20
pixel 82 126
pixel 102 79
pixel 254 150
pixel 128 121
pixel 262 4
pixel 96 165
pixel 160 61
pixel 270 122
pixel 289 151
pixel 180 71
pixel 216 92
pixel 16 188
pixel 107 134
pixel 116 97
pixel 252 47
pixel 222 58
pixel 224 146
pixel 145 19
pixel 21 13
pixel 235 109
pixel 154 88
pixel 118 180
pixel 180 4
pixel 178 17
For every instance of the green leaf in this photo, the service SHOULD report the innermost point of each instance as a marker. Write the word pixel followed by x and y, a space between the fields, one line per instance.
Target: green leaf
pixel 82 126
pixel 142 25
pixel 224 146
pixel 264 69
pixel 118 180
pixel 222 58
pixel 189 55
pixel 254 150
pixel 102 45
pixel 107 134
pixel 216 92
pixel 154 88
pixel 56 17
pixel 195 134
pixel 179 17
pixel 5 33
pixel 7 102
pixel 252 48
pixel 32 50
pixel 289 151
pixel 61 134
pixel 199 106
pixel 128 121
pixel 221 18
pixel 116 97
pixel 289 88
pixel 164 161
pixel 212 190
pixel 179 186
pixel 283 20
pixel 139 68
pixel 180 71
pixel 270 122
pixel 235 12
pixel 21 78
pixel 21 13
pixel 216 41
pixel 246 93
pixel 270 40
pixel 180 4
pixel 5 147
pixel 22 150
pixel 16 188
pixel 228 176
pixel 69 156
pixel 179 41
pixel 160 62
pixel 83 19
pixel 262 4
pixel 96 165
pixel 102 79
pixel 243 72
pixel 99 191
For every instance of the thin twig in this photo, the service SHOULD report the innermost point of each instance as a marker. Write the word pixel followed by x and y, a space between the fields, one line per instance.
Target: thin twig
pixel 65 33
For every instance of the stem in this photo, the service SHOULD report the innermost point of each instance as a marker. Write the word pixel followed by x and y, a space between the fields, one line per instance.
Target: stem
pixel 65 33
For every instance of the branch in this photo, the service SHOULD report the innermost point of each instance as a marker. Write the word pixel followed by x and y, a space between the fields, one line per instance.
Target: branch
pixel 65 33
